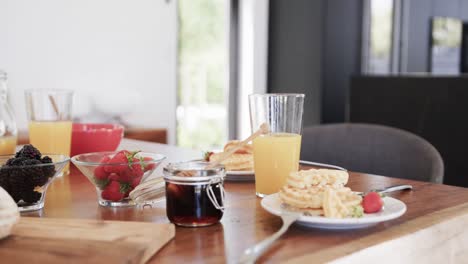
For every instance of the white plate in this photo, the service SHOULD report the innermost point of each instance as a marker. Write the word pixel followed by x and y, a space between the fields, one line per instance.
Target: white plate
pixel 240 176
pixel 393 208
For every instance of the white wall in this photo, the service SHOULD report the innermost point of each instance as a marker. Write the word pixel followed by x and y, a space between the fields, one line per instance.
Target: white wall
pixel 253 61
pixel 118 55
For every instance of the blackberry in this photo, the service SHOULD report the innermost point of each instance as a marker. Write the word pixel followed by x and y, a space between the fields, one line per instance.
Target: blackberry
pixel 30 152
pixel 34 175
pixel 31 197
pixel 16 161
pixel 17 184
pixel 4 179
pixel 49 171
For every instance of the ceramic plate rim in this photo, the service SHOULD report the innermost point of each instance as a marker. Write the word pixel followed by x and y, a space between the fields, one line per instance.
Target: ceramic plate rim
pixel 240 172
pixel 370 219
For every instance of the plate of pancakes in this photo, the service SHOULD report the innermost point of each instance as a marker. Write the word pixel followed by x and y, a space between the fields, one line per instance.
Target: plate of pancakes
pixel 324 201
pixel 239 166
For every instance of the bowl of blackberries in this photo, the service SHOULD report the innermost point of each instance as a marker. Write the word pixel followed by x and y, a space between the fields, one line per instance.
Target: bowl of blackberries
pixel 27 174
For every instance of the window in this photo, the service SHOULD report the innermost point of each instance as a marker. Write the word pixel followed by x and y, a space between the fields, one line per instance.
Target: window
pixel 378 36
pixel 445 45
pixel 202 74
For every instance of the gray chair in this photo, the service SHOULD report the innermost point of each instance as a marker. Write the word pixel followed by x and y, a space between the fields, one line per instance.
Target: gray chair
pixel 373 149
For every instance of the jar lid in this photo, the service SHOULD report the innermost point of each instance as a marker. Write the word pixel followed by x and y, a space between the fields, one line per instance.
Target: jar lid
pixel 193 172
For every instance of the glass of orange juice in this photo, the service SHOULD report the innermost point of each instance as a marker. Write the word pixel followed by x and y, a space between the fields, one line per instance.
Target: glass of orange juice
pixel 50 120
pixel 276 154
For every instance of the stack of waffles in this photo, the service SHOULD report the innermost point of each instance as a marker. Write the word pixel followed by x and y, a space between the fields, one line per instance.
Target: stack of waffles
pixel 321 192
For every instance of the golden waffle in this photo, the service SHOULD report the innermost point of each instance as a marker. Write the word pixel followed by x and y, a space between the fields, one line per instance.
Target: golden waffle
pixel 339 203
pixel 236 162
pixel 320 192
pixel 317 177
pixel 303 198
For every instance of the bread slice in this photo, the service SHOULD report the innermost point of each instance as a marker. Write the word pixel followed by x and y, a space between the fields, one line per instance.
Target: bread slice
pixel 9 214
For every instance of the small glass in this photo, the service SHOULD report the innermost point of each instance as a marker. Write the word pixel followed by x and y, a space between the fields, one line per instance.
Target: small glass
pixel 277 153
pixel 50 120
pixel 196 200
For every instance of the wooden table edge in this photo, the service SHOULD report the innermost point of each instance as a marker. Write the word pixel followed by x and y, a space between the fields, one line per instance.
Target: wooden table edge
pixel 396 232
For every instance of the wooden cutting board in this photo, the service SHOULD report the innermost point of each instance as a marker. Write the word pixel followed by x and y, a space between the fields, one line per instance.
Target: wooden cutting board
pixel 50 240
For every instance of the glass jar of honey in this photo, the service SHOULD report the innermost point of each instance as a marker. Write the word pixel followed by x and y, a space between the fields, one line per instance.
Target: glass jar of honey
pixel 194 193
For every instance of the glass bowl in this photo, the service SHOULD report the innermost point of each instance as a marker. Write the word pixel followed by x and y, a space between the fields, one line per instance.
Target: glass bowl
pixel 114 181
pixel 27 184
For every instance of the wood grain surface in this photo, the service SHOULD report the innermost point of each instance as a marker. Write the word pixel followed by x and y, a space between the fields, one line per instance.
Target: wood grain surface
pixel 58 240
pixel 245 222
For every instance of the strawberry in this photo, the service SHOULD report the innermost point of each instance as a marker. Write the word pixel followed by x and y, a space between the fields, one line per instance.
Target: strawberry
pixel 135 182
pixel 112 192
pixel 148 163
pixel 137 167
pixel 372 203
pixel 125 176
pixel 99 172
pixel 114 177
pixel 207 155
pixel 134 170
pixel 122 158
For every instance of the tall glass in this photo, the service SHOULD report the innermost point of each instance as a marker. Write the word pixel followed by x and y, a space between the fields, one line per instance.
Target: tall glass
pixel 50 120
pixel 276 154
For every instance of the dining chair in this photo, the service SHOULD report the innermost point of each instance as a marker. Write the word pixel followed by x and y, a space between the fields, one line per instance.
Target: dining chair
pixel 373 149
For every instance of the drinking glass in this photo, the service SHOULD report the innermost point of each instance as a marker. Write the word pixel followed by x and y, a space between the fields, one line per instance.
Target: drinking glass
pixel 50 121
pixel 276 154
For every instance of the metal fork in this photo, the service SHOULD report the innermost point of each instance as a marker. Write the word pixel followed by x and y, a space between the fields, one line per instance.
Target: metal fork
pixel 252 253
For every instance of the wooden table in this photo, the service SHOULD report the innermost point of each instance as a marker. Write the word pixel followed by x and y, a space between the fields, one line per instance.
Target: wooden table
pixel 432 230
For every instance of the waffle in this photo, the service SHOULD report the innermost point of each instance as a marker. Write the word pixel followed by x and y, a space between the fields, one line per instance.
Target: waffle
pixel 317 177
pixel 320 192
pixel 339 203
pixel 311 198
pixel 9 214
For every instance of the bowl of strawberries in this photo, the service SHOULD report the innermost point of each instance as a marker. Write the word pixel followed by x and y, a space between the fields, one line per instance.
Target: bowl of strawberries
pixel 116 174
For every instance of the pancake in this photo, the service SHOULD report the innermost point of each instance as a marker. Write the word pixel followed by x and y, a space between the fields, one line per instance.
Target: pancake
pixel 236 162
pixel 246 149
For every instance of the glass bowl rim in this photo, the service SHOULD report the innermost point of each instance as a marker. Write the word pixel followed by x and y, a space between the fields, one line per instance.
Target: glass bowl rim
pixel 75 160
pixel 64 159
pixel 112 128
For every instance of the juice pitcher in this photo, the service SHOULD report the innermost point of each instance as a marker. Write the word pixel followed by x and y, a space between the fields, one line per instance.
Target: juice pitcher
pixel 8 130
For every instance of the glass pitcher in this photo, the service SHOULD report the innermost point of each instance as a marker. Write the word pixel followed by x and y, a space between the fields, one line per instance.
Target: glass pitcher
pixel 8 130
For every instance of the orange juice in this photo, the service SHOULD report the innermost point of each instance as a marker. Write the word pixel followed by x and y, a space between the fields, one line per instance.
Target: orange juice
pixel 275 156
pixel 51 137
pixel 7 145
